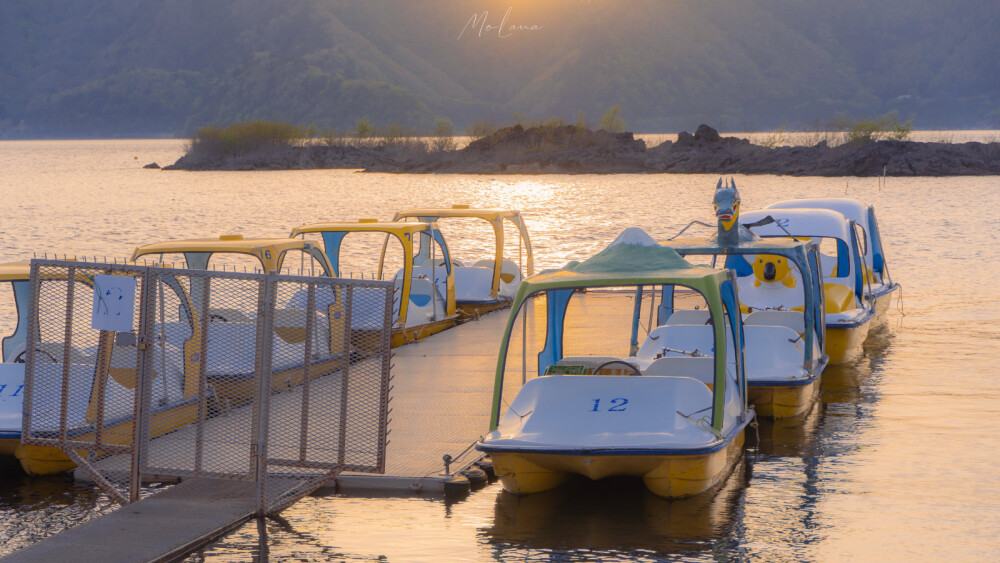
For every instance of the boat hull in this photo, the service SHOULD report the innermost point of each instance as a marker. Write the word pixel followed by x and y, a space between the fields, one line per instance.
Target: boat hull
pixel 782 401
pixel 668 476
pixel 49 460
pixel 407 335
pixel 844 344
pixel 882 303
pixel 476 310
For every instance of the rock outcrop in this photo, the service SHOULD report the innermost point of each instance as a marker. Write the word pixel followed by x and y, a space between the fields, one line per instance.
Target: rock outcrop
pixel 571 150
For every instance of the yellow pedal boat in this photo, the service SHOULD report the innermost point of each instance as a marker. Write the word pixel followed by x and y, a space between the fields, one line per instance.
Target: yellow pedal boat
pixel 490 283
pixel 781 296
pixel 582 408
pixel 425 283
pixel 846 283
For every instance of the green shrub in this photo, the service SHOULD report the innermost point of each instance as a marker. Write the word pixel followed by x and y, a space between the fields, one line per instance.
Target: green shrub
pixel 886 127
pixel 444 135
pixel 481 128
pixel 612 121
pixel 245 137
pixel 775 138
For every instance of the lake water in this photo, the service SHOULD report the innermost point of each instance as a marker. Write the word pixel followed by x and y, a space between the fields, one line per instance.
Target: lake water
pixel 898 461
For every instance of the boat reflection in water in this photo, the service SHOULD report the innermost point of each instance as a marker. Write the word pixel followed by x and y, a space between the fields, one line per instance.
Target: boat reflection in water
pixel 616 517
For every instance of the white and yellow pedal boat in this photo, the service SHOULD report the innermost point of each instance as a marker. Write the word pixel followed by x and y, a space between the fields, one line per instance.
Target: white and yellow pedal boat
pixel 781 296
pixel 490 283
pixel 882 286
pixel 424 302
pixel 676 422
pixel 233 325
pixel 98 366
pixel 849 311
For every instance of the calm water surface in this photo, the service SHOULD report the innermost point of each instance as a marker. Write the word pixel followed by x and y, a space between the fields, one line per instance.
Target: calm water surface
pixel 898 461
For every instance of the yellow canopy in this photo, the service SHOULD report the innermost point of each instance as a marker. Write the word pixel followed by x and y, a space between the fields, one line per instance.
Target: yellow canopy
pixel 270 251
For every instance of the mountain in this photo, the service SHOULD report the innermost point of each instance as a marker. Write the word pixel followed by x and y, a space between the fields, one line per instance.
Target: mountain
pixel 112 68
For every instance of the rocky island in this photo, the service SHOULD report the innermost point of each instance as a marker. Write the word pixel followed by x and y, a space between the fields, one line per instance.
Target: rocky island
pixel 568 149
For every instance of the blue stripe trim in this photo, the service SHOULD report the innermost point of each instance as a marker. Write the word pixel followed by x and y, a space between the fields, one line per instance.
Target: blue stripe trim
pixel 886 289
pixel 484 302
pixel 866 318
pixel 783 382
pixel 620 451
pixel 10 435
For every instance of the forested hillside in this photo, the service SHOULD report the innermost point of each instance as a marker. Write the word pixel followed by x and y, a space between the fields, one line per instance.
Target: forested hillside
pixel 162 68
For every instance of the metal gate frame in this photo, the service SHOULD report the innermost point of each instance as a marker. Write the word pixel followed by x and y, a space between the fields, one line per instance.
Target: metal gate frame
pixel 148 280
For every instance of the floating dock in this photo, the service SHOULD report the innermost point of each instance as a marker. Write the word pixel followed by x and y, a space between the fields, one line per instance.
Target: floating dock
pixel 440 405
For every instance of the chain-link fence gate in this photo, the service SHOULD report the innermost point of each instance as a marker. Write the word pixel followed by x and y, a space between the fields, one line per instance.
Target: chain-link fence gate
pixel 201 374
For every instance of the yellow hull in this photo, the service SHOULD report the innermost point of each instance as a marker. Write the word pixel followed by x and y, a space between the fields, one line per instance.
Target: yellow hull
pixel 668 476
pixel 882 304
pixel 782 401
pixel 476 310
pixel 43 460
pixel 845 344
pixel 48 460
pixel 408 335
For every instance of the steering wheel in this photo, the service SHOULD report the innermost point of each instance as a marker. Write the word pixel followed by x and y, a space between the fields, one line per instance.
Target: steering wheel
pixel 635 370
pixel 20 358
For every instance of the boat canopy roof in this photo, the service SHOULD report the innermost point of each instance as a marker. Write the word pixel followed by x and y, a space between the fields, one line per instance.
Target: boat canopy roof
pixel 859 212
pixel 800 222
pixel 224 243
pixel 458 211
pixel 629 260
pixel 270 251
pixel 363 226
pixel 851 208
pixel 14 271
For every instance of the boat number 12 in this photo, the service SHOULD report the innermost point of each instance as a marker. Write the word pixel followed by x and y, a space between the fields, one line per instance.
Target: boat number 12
pixel 616 405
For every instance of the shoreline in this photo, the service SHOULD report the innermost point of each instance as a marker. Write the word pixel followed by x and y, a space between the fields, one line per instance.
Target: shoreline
pixel 569 150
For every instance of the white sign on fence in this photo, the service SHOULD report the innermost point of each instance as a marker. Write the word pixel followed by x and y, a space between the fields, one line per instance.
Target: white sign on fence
pixel 114 302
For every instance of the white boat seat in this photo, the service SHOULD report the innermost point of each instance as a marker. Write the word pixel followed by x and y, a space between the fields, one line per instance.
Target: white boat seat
pixel 439 275
pixel 702 369
pixel 325 296
pixel 473 283
pixel 794 320
pixel 52 353
pixel 677 339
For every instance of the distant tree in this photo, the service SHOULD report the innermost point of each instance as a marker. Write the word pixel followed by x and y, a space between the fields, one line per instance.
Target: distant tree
pixel 365 129
pixel 612 121
pixel 444 135
pixel 480 128
pixel 581 120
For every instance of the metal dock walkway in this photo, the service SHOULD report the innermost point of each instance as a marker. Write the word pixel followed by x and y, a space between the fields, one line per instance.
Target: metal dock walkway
pixel 442 391
pixel 161 527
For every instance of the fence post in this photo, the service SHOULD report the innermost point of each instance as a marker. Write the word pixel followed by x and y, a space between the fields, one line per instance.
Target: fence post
pixel 265 343
pixel 144 365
